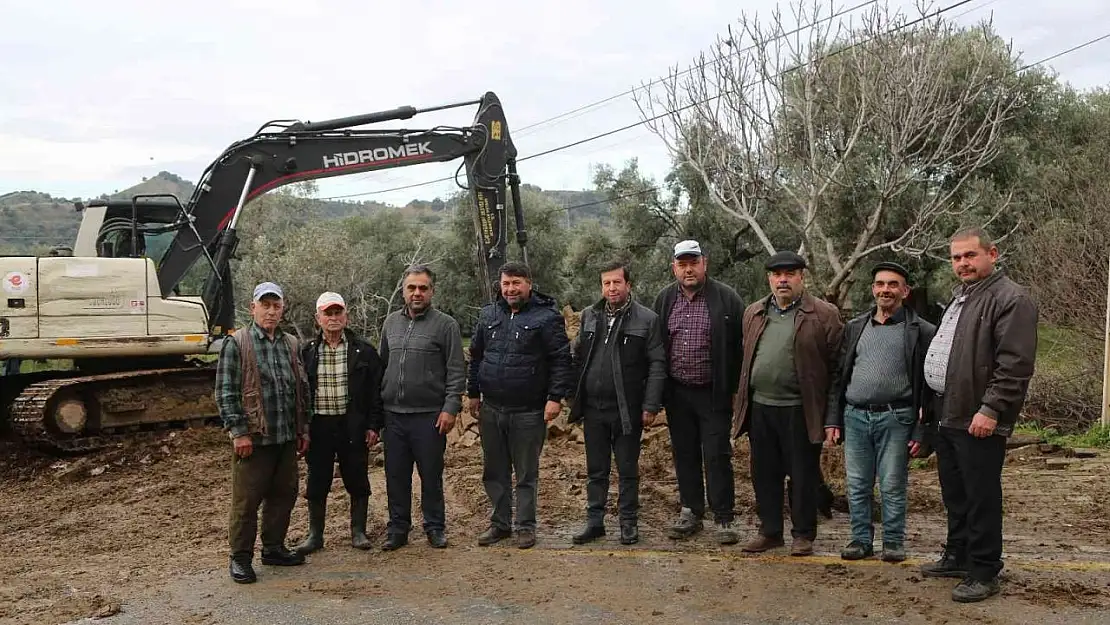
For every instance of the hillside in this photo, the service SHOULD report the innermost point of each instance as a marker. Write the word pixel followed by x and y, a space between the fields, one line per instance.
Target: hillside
pixel 32 221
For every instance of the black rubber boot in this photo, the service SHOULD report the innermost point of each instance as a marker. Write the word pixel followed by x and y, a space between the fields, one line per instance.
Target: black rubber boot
pixel 317 512
pixel 359 509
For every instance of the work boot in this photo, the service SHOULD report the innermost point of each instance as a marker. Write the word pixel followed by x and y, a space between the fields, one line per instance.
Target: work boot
pixel 950 564
pixel 437 539
pixel 394 541
pixel 971 590
pixel 893 553
pixel 630 534
pixel 857 551
pixel 280 556
pixel 526 539
pixel 359 508
pixel 493 535
pixel 317 512
pixel 801 546
pixel 763 543
pixel 686 526
pixel 728 533
pixel 239 566
pixel 590 534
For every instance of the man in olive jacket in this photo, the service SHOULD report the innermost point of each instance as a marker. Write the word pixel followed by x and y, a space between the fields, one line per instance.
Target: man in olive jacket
pixel 979 365
pixel 620 364
pixel 700 318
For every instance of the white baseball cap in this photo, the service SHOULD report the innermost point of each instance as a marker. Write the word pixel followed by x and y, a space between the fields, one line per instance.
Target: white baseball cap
pixel 267 288
pixel 687 248
pixel 329 299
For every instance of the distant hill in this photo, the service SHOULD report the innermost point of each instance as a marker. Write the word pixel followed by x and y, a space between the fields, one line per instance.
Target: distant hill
pixel 32 221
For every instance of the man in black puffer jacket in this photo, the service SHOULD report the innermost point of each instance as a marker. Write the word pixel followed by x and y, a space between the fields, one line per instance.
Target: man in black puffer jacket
pixel 520 370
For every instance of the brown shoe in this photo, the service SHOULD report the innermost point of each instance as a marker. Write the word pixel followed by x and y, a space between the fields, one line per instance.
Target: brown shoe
pixel 762 543
pixel 801 547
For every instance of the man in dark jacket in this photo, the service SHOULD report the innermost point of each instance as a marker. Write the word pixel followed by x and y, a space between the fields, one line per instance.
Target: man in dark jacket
pixel 979 365
pixel 345 374
pixel 620 366
pixel 880 388
pixel 520 371
pixel 425 376
pixel 700 319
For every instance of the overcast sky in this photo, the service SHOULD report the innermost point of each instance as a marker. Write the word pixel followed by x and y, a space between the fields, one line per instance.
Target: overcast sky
pixel 97 95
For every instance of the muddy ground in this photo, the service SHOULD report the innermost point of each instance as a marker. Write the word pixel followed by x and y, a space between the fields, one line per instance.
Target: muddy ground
pixel 137 534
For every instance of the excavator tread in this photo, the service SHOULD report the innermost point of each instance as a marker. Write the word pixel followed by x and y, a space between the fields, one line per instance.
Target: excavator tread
pixel 29 410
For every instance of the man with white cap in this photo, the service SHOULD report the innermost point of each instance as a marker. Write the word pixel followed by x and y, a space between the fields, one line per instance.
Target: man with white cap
pixel 264 401
pixel 345 374
pixel 700 319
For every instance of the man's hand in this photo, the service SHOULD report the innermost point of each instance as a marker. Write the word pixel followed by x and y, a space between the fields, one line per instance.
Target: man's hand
pixel 982 426
pixel 302 444
pixel 475 406
pixel 445 422
pixel 832 436
pixel 551 410
pixel 915 448
pixel 371 438
pixel 243 446
pixel 649 418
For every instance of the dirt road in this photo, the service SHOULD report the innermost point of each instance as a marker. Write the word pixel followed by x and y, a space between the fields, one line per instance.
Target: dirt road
pixel 139 533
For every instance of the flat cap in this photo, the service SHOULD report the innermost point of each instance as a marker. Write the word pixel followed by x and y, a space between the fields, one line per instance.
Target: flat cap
pixel 888 265
pixel 785 259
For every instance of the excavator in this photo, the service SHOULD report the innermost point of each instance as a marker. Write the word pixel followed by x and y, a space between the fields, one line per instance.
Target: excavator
pixel 123 317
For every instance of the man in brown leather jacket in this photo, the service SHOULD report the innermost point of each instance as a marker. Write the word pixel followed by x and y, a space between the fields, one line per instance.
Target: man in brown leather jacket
pixel 791 349
pixel 979 365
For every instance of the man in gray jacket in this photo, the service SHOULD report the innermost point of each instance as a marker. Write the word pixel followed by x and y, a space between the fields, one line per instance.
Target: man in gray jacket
pixel 422 388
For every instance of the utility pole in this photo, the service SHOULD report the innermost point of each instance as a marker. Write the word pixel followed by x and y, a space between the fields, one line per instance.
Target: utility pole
pixel 1106 359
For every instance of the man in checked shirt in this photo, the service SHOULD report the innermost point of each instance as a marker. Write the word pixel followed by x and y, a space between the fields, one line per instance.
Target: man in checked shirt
pixel 700 319
pixel 345 374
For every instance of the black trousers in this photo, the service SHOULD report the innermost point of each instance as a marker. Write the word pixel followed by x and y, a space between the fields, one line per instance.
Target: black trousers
pixel 700 436
pixel 970 471
pixel 606 440
pixel 267 478
pixel 330 441
pixel 413 439
pixel 512 441
pixel 780 447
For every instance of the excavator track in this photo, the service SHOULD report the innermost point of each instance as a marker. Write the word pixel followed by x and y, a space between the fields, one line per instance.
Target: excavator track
pixel 76 415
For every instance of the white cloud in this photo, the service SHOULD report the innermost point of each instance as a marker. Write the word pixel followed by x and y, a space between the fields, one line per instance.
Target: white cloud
pixel 98 94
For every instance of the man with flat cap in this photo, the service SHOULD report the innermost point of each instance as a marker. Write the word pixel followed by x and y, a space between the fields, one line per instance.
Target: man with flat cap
pixel 265 403
pixel 791 347
pixel 699 318
pixel 345 375
pixel 880 393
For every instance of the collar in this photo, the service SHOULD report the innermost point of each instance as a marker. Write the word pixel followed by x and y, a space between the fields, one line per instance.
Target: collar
pixel 616 313
pixel 260 334
pixel 898 317
pixel 405 312
pixel 772 303
pixel 963 291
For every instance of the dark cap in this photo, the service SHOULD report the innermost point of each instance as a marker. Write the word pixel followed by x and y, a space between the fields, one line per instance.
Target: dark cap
pixel 785 259
pixel 888 265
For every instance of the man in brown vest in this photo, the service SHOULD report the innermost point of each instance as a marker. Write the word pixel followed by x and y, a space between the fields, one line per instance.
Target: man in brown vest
pixel 262 393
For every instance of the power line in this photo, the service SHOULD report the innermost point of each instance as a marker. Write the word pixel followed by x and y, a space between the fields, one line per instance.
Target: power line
pixel 574 112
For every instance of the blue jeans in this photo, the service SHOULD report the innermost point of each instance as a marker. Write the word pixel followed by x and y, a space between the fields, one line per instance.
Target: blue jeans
pixel 876 443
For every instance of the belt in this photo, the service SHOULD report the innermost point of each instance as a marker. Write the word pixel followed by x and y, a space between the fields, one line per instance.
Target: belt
pixel 887 407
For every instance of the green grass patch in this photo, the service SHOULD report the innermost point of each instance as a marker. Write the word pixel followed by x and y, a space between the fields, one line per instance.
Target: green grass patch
pixel 1097 436
pixel 1066 391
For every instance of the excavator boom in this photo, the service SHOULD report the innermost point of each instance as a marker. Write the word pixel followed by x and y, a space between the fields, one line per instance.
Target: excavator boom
pixel 299 151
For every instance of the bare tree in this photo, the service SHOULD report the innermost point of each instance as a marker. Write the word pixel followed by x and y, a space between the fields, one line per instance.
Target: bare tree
pixel 840 131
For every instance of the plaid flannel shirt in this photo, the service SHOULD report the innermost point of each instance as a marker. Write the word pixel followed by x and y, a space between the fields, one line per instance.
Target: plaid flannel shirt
pixel 278 388
pixel 331 386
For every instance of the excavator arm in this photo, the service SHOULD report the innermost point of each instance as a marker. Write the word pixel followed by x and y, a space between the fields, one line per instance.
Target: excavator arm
pixel 282 153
